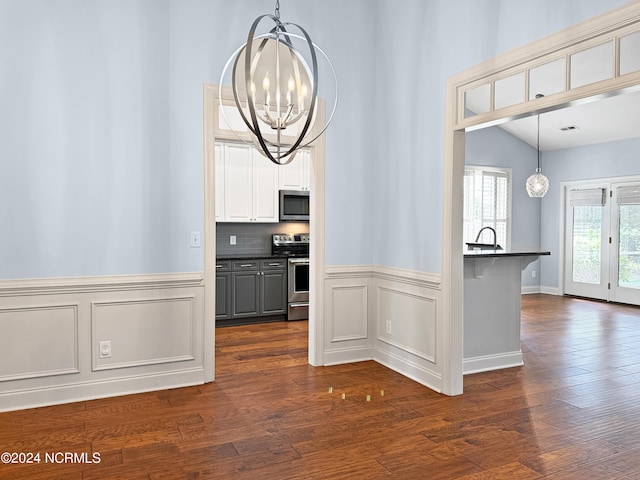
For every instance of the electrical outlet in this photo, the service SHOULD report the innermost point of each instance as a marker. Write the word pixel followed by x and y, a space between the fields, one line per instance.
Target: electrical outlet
pixel 195 239
pixel 533 274
pixel 105 349
pixel 232 239
pixel 389 327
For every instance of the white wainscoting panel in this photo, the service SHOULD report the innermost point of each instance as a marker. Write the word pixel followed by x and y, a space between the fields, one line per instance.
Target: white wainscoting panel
pixel 407 304
pixel 349 313
pixel 364 298
pixel 38 341
pixel 348 304
pixel 143 331
pixel 411 320
pixel 50 329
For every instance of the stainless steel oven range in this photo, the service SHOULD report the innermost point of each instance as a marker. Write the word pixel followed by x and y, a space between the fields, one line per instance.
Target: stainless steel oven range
pixel 296 248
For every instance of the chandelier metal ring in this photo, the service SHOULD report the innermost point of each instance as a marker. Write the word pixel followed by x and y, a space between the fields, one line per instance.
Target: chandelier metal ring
pixel 248 56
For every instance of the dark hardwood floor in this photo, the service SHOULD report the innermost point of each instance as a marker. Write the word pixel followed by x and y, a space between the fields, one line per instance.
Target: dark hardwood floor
pixel 572 412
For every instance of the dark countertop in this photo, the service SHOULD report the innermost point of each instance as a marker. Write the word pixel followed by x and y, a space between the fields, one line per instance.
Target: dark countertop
pixel 249 256
pixel 503 253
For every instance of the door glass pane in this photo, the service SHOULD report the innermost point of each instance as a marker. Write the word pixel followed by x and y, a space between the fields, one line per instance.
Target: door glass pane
pixel 629 253
pixel 587 237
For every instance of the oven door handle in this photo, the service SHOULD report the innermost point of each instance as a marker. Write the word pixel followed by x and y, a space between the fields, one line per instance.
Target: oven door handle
pixel 299 261
pixel 299 305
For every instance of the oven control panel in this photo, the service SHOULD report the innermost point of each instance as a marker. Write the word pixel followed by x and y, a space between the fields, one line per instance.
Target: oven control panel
pixel 290 238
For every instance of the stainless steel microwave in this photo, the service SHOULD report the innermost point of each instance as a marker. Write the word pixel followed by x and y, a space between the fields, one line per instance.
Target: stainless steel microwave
pixel 294 205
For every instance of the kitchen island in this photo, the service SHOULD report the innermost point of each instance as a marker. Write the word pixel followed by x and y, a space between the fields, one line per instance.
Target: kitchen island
pixel 492 303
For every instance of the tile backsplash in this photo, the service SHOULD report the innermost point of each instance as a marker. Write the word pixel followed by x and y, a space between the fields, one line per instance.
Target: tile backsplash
pixel 252 238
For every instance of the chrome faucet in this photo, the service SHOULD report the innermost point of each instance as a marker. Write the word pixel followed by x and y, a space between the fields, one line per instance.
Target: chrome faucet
pixel 495 237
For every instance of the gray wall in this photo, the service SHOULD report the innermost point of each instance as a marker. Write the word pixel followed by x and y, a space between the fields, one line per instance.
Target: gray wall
pixel 101 125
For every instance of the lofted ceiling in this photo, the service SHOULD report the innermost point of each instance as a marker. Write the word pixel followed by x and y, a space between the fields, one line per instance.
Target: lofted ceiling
pixel 603 120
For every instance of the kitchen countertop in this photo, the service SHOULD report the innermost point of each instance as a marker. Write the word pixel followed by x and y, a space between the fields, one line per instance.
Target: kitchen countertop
pixel 249 256
pixel 503 253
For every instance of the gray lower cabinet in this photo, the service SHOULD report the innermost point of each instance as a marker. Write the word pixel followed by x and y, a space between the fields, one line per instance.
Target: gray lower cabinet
pixel 258 288
pixel 223 289
pixel 245 279
pixel 273 287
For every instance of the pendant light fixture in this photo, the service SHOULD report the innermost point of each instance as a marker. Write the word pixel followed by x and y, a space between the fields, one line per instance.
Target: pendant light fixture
pixel 275 88
pixel 537 184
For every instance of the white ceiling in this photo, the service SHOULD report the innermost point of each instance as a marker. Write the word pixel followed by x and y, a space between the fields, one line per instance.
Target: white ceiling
pixel 603 120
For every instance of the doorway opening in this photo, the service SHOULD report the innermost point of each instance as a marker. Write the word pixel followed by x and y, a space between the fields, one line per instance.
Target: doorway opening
pixel 506 88
pixel 214 131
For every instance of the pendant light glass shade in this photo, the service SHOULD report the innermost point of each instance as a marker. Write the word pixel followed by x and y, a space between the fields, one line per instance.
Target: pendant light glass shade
pixel 537 184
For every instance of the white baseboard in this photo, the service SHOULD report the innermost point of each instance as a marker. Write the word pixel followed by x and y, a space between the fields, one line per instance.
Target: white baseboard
pixel 540 289
pixel 340 356
pixel 492 362
pixel 91 390
pixel 530 289
pixel 430 379
pixel 550 290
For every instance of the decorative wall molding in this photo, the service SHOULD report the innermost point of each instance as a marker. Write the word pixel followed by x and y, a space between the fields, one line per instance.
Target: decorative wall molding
pixel 418 311
pixel 377 294
pixel 54 325
pixel 155 323
pixel 349 313
pixel 116 319
pixel 53 286
pixel 410 277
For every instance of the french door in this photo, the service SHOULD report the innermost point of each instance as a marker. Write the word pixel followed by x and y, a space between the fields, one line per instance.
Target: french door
pixel 602 241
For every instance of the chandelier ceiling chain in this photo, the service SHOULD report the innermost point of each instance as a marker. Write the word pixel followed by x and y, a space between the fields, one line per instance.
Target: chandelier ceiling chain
pixel 275 88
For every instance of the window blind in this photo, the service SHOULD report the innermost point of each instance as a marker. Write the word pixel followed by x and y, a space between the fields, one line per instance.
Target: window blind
pixel 587 196
pixel 628 195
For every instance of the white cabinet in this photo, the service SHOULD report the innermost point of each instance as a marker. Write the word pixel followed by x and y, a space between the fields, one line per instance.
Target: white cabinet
pixel 297 174
pixel 250 185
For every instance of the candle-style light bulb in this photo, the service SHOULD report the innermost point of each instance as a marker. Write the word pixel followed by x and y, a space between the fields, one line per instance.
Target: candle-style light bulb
pixel 303 92
pixel 266 83
pixel 291 86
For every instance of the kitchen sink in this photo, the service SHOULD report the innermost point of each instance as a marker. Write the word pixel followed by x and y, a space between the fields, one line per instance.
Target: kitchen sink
pixel 483 246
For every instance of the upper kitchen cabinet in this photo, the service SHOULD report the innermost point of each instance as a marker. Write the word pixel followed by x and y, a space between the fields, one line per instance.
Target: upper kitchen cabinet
pixel 250 185
pixel 297 174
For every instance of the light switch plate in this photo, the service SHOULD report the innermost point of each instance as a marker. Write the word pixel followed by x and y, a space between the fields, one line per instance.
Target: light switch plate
pixel 195 239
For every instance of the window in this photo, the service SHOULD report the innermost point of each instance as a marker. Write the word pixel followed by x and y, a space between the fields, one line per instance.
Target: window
pixel 487 202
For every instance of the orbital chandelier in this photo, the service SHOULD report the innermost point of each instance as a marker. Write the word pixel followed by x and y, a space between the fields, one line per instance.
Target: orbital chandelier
pixel 274 79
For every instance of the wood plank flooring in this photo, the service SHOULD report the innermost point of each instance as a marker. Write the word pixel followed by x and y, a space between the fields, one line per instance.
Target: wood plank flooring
pixel 572 412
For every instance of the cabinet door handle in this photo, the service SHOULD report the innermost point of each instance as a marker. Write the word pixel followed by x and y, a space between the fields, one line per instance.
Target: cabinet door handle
pixel 244 265
pixel 275 264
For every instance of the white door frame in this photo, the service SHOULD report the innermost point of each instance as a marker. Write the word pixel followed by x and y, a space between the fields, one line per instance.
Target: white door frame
pixel 610 183
pixel 212 131
pixel 606 27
